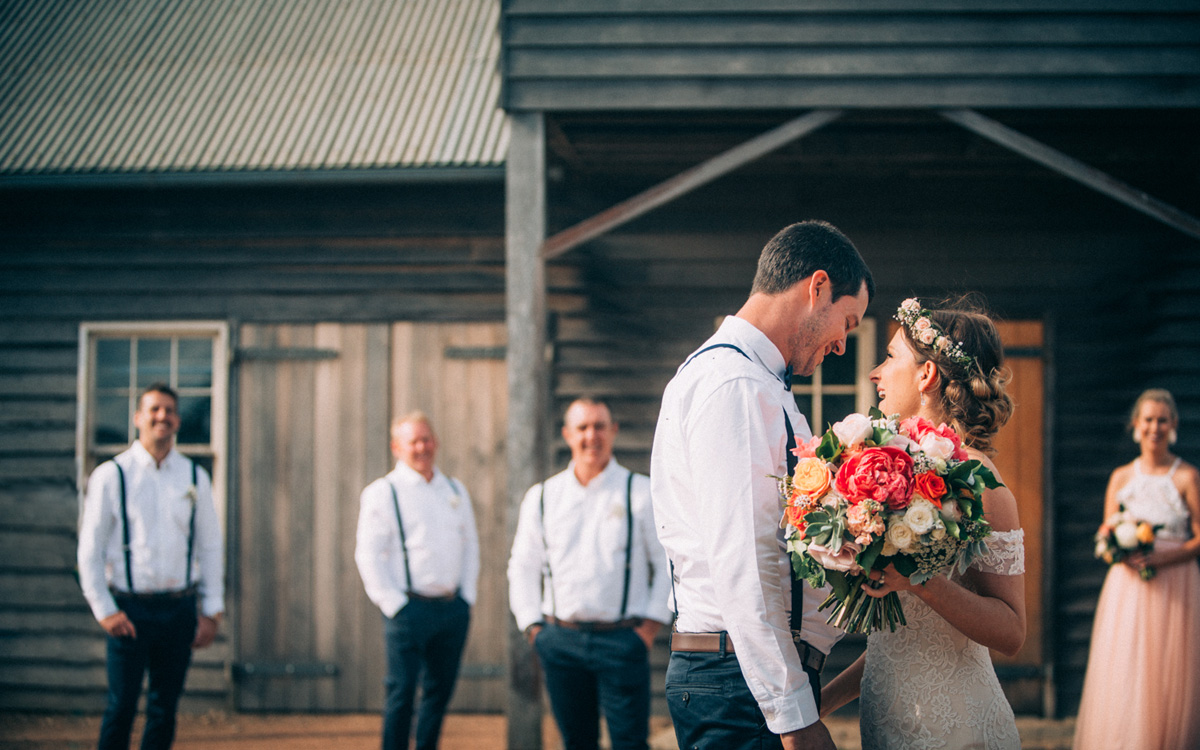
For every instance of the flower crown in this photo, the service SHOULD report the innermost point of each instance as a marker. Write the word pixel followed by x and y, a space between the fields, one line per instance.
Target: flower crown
pixel 922 329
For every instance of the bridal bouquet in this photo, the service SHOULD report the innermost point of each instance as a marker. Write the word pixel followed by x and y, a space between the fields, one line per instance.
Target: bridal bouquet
pixel 1121 535
pixel 871 492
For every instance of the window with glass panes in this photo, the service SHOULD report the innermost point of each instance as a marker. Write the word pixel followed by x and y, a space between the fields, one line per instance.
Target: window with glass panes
pixel 118 361
pixel 840 386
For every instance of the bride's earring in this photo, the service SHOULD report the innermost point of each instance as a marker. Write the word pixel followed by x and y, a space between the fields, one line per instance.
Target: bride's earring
pixel 922 399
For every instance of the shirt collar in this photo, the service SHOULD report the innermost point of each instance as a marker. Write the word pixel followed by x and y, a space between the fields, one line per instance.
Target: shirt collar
pixel 610 469
pixel 754 343
pixel 408 474
pixel 142 456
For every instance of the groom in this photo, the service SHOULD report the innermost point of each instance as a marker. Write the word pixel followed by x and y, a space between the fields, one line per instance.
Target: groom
pixel 726 422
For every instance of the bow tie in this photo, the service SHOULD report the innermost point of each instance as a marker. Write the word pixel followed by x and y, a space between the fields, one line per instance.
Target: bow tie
pixel 787 378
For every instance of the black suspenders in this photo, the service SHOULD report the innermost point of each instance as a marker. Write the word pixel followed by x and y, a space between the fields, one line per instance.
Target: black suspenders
pixel 125 545
pixel 628 546
pixel 403 542
pixel 797 599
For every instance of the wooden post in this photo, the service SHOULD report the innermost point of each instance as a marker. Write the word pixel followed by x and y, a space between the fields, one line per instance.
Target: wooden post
pixel 525 230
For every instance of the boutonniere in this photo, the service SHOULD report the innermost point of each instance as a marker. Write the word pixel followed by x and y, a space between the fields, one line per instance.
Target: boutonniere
pixel 191 495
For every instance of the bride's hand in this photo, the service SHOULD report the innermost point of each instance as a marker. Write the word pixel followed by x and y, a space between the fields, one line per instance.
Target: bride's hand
pixel 880 583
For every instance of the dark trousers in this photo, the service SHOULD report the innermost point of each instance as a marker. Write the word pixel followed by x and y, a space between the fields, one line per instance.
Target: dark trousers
pixel 424 637
pixel 712 707
pixel 163 648
pixel 587 671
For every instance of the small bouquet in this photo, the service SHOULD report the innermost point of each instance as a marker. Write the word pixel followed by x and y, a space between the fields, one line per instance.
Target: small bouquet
pixel 1122 535
pixel 871 492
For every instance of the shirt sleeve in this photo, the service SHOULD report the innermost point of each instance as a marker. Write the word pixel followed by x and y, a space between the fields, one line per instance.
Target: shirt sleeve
pixel 658 606
pixel 736 440
pixel 210 548
pixel 526 563
pixel 375 550
pixel 469 587
pixel 95 529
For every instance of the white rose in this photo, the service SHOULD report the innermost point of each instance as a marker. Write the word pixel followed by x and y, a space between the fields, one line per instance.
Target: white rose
pixel 937 447
pixel 1126 534
pixel 903 442
pixel 951 511
pixel 889 549
pixel 938 533
pixel 853 430
pixel 919 516
pixel 901 535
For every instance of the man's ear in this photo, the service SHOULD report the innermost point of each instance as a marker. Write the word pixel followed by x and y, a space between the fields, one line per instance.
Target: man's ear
pixel 820 287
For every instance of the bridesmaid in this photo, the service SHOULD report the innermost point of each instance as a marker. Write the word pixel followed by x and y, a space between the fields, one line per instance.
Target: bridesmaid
pixel 1142 690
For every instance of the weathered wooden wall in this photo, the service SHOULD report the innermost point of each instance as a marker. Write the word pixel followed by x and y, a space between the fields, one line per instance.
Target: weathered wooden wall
pixel 248 254
pixel 570 55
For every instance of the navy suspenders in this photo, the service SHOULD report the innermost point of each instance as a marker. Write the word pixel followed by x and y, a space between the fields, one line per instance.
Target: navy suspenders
pixel 408 591
pixel 125 545
pixel 628 546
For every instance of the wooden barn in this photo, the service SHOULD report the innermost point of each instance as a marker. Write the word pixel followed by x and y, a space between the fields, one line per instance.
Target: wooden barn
pixel 311 216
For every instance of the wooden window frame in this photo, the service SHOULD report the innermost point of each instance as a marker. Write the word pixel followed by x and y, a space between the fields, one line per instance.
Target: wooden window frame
pixel 218 445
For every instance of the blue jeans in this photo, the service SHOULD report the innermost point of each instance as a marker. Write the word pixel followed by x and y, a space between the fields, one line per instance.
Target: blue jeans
pixel 163 647
pixel 425 636
pixel 587 671
pixel 712 707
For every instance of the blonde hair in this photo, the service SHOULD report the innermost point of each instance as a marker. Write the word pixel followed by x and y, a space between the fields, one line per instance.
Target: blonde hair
pixel 413 416
pixel 974 396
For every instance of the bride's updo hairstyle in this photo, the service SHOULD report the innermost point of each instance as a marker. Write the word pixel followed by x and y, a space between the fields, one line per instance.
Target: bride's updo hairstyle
pixel 972 375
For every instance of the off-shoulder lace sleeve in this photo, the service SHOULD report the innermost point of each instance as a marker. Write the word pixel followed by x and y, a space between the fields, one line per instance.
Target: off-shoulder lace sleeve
pixel 1005 554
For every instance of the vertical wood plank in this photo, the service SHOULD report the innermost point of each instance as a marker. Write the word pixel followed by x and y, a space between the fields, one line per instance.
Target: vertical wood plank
pixel 525 230
pixel 327 501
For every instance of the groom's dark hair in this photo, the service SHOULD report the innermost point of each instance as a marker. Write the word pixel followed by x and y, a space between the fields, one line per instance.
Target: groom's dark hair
pixel 800 250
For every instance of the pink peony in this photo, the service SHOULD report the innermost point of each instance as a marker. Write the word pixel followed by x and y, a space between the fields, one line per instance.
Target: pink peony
pixel 883 474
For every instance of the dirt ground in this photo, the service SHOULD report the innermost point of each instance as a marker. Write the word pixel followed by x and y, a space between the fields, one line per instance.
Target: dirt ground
pixel 220 731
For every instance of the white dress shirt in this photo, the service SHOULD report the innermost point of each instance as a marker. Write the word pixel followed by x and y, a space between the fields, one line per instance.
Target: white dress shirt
pixel 158 502
pixel 719 441
pixel 439 535
pixel 585 531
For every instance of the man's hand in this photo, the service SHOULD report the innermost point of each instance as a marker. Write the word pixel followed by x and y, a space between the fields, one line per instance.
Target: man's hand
pixel 531 633
pixel 647 631
pixel 813 737
pixel 206 631
pixel 119 626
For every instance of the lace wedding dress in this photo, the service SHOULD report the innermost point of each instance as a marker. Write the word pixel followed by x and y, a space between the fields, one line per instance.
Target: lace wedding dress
pixel 928 686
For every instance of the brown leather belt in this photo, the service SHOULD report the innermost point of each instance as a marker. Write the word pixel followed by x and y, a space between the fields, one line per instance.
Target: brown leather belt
pixel 710 643
pixel 153 596
pixel 422 598
pixel 595 627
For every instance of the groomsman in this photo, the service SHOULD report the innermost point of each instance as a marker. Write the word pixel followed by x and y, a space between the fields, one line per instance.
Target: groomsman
pixel 151 565
pixel 588 584
pixel 418 554
pixel 725 426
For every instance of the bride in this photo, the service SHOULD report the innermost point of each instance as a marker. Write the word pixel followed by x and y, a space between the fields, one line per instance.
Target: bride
pixel 931 684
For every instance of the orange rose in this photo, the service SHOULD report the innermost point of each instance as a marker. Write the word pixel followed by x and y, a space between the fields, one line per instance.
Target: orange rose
pixel 930 486
pixel 811 477
pixel 1145 533
pixel 795 516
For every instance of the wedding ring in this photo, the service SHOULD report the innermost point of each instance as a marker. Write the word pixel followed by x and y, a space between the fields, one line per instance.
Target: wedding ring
pixel 875 584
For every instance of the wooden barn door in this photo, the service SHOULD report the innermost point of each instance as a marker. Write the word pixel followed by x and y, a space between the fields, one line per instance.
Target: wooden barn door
pixel 314 406
pixel 1020 458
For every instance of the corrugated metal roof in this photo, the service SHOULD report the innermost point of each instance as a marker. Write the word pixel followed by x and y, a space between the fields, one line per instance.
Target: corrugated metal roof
pixel 167 86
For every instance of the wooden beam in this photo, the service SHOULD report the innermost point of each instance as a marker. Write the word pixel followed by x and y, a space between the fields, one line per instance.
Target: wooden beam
pixel 686 181
pixel 525 229
pixel 1076 170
